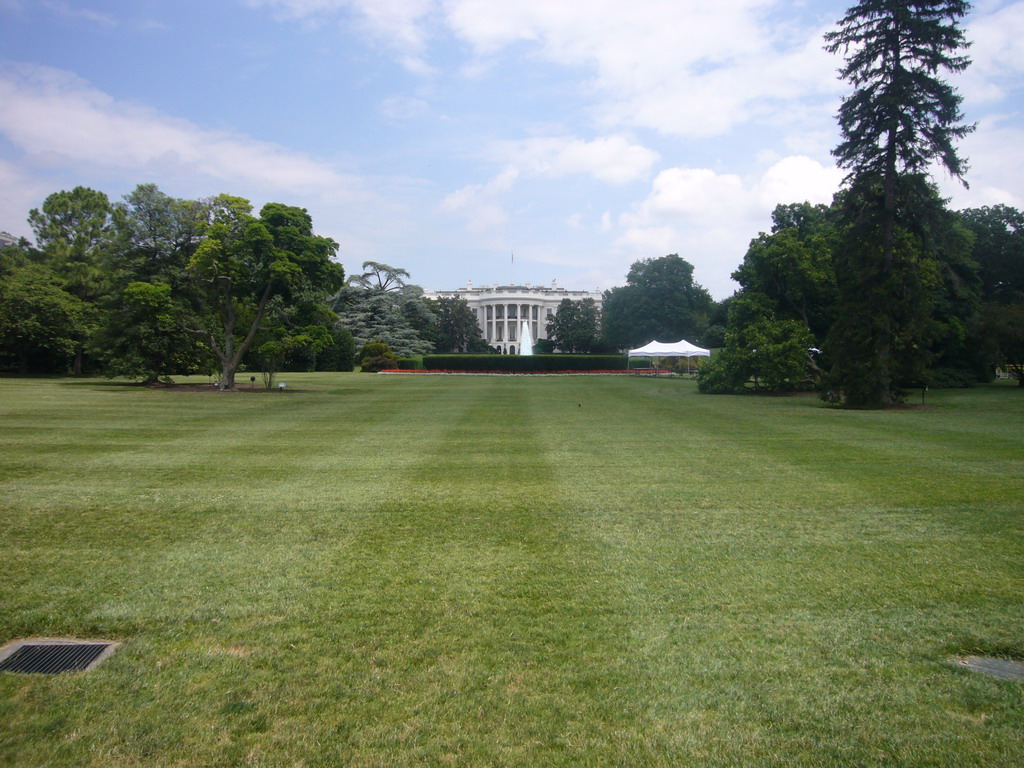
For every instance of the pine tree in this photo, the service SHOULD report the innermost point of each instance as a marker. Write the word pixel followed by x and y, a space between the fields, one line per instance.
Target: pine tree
pixel 899 120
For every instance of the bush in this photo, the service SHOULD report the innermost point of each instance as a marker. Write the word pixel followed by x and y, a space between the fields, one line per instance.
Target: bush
pixel 341 355
pixel 410 363
pixel 379 363
pixel 524 363
pixel 377 356
pixel 721 376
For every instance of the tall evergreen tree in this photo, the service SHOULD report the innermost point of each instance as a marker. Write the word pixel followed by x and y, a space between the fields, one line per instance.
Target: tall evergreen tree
pixel 900 119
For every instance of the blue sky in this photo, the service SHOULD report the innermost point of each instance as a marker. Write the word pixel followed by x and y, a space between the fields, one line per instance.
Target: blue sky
pixel 443 136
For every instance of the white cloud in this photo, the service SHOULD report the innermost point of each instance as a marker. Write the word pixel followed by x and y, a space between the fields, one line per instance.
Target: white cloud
pixel 64 9
pixel 402 108
pixel 709 218
pixel 996 167
pixel 612 159
pixel 18 194
pixel 684 68
pixel 796 179
pixel 396 23
pixel 681 67
pixel 479 202
pixel 57 118
pixel 997 55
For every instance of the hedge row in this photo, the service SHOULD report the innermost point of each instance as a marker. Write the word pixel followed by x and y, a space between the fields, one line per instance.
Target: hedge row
pixel 524 363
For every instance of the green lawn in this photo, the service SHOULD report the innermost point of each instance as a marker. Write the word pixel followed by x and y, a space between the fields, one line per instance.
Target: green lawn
pixel 584 571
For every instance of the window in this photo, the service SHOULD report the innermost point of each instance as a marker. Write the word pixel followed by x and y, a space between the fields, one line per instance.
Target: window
pixel 490 312
pixel 499 312
pixel 511 311
pixel 511 333
pixel 535 308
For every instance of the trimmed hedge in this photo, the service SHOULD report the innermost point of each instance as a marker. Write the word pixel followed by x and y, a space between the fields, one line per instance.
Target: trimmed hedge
pixel 524 363
pixel 410 364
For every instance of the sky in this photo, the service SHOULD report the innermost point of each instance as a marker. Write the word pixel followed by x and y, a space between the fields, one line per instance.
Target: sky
pixel 491 141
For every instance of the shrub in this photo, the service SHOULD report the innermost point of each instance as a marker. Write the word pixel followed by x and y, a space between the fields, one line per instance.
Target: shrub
pixel 524 363
pixel 377 356
pixel 379 363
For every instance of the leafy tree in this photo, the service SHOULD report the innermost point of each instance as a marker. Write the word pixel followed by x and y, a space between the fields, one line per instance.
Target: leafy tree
pixel 576 326
pixel 148 295
pixel 248 266
pixel 1003 326
pixel 273 354
pixel 455 328
pixel 73 230
pixel 144 338
pixel 762 351
pixel 340 354
pixel 899 119
pixel 999 250
pixel 41 324
pixel 660 301
pixel 792 267
pixel 156 236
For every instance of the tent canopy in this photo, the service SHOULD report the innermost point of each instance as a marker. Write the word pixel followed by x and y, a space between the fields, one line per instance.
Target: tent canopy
pixel 681 348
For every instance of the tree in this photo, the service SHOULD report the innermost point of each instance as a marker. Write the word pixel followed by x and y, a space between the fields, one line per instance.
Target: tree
pixel 379 277
pixel 456 328
pixel 575 326
pixel 340 354
pixel 41 324
pixel 273 354
pixel 144 337
pixel 148 296
pixel 999 250
pixel 379 305
pixel 246 267
pixel 792 267
pixel 660 301
pixel 900 118
pixel 762 351
pixel 1004 330
pixel 156 236
pixel 74 231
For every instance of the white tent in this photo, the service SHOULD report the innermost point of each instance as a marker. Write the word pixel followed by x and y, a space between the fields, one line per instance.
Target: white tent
pixel 681 348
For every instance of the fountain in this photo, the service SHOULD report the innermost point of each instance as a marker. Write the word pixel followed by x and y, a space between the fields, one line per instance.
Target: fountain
pixel 525 340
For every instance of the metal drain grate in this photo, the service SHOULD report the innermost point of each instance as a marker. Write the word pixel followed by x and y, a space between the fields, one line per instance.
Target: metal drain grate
pixel 49 657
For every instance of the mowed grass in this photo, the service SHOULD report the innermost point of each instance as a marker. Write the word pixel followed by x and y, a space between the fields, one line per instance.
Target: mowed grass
pixel 388 571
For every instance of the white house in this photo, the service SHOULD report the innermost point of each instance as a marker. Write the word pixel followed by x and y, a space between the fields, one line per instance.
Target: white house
pixel 501 309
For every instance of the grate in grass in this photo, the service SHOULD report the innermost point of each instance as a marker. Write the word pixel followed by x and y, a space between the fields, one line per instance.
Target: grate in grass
pixel 50 656
pixel 1000 668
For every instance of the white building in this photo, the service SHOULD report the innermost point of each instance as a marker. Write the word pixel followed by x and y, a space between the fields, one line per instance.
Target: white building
pixel 7 239
pixel 501 309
